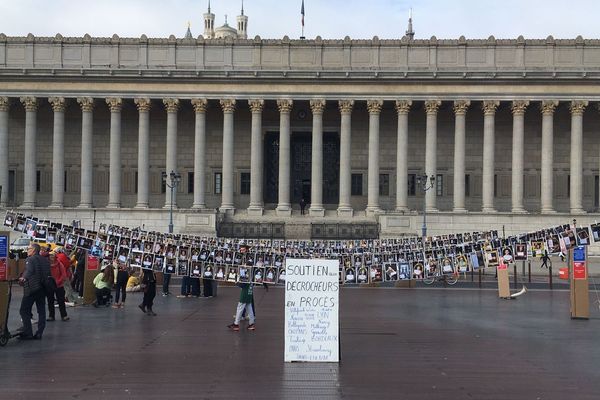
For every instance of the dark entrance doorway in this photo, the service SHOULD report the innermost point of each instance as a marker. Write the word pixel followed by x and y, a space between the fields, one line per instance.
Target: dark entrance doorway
pixel 300 167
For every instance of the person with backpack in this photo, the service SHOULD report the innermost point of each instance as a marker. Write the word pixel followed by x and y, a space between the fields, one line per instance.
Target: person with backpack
pixel 37 269
pixel 59 274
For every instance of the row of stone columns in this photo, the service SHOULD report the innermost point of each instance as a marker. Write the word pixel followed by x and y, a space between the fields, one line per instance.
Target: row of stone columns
pixel 285 106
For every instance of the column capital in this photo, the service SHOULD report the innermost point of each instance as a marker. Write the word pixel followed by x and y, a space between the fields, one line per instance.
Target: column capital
pixel 171 104
pixel 548 106
pixel 58 103
pixel 143 104
pixel 461 106
pixel 432 106
pixel 30 103
pixel 114 103
pixel 4 103
pixel 317 106
pixel 374 106
pixel 285 105
pixel 86 103
pixel 403 106
pixel 518 107
pixel 228 105
pixel 345 106
pixel 577 107
pixel 256 105
pixel 200 105
pixel 489 107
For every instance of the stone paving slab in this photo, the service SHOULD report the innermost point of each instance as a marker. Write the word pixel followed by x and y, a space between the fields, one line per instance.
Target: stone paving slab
pixel 439 343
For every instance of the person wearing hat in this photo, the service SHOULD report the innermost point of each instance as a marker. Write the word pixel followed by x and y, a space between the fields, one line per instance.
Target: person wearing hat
pixel 57 269
pixel 103 284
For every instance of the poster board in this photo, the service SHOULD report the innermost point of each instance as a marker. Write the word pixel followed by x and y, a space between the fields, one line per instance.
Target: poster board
pixel 311 310
pixel 92 268
pixel 3 257
pixel 580 300
pixel 503 281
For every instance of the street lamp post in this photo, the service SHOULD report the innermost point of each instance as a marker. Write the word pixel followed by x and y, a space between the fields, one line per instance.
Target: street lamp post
pixel 171 181
pixel 425 184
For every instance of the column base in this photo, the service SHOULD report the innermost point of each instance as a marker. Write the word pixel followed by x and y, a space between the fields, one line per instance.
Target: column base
pixel 578 211
pixel 227 209
pixel 519 210
pixel 55 205
pixel 460 210
pixel 489 210
pixel 255 211
pixel 168 207
pixel 402 209
pixel 142 206
pixel 200 206
pixel 548 211
pixel 371 211
pixel 316 211
pixel 84 205
pixel 27 205
pixel 432 210
pixel 345 211
pixel 114 205
pixel 283 210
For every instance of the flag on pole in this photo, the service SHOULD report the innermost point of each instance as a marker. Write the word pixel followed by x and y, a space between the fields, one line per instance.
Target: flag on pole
pixel 302 12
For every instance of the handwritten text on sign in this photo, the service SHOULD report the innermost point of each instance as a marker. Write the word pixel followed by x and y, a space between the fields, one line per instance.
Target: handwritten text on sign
pixel 311 310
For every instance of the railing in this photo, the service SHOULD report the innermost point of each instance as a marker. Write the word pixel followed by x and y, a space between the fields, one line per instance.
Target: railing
pixel 251 230
pixel 345 231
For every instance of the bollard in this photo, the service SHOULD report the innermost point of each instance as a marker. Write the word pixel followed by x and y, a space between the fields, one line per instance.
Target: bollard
pixel 550 275
pixel 515 276
pixel 472 275
pixel 479 272
pixel 523 268
pixel 529 270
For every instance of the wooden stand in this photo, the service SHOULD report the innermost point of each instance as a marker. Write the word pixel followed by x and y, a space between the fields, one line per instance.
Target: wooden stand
pixel 578 279
pixel 503 283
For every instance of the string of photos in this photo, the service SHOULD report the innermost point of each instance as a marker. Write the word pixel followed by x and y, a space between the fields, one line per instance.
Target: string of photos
pixel 263 260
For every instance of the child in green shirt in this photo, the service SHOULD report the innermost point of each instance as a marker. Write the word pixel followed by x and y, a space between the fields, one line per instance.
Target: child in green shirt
pixel 246 298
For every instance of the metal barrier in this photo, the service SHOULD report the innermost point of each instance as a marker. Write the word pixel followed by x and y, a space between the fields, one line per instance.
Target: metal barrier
pixel 251 230
pixel 345 231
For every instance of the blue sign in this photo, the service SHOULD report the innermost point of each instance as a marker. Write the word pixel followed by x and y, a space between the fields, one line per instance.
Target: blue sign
pixel 3 246
pixel 579 254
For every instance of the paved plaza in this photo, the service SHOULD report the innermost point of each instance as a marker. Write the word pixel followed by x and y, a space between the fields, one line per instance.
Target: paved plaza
pixel 421 343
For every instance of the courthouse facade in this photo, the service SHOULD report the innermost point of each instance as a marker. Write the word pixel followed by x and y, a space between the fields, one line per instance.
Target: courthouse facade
pixel 508 128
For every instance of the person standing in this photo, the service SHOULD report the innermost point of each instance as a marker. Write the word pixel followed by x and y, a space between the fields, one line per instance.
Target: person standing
pixel 57 269
pixel 36 268
pixel 166 281
pixel 149 282
pixel 302 206
pixel 121 285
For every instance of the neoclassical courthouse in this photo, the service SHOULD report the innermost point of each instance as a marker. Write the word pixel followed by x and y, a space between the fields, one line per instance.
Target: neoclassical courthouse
pixel 508 128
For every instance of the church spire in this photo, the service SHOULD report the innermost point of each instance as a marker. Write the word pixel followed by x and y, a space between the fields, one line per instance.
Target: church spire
pixel 242 7
pixel 209 6
pixel 409 32
pixel 209 24
pixel 242 24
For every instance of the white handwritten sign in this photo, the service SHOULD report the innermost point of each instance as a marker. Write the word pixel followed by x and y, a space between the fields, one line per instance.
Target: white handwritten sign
pixel 311 310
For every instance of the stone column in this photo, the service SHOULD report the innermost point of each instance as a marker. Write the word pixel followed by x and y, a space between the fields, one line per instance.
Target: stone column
pixel 58 151
pixel 345 207
pixel 114 188
pixel 143 167
pixel 284 206
pixel 489 112
pixel 87 126
pixel 4 106
pixel 200 153
pixel 547 176
pixel 577 109
pixel 460 112
pixel 172 106
pixel 30 158
pixel 316 185
pixel 374 108
pixel 256 206
pixel 227 206
pixel 431 108
pixel 518 109
pixel 402 108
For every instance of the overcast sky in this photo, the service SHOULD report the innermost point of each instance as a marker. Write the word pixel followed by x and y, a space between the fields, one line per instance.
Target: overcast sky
pixel 331 19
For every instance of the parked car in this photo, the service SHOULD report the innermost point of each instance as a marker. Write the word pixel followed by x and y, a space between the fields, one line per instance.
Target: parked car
pixel 20 244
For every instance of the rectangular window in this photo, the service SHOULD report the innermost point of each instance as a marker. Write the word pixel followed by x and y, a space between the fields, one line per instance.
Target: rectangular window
pixel 439 185
pixel 357 184
pixel 163 184
pixel 568 185
pixel 218 182
pixel 245 183
pixel 467 185
pixel 412 184
pixel 495 185
pixel 596 189
pixel 384 184
pixel 65 182
pixel 38 181
pixel 190 182
pixel 136 182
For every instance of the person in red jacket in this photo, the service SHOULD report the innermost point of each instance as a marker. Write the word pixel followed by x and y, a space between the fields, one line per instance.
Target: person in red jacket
pixel 59 273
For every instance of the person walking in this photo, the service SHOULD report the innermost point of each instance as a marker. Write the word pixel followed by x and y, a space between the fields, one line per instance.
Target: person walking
pixel 149 282
pixel 245 303
pixel 121 285
pixel 545 259
pixel 59 273
pixel 36 269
